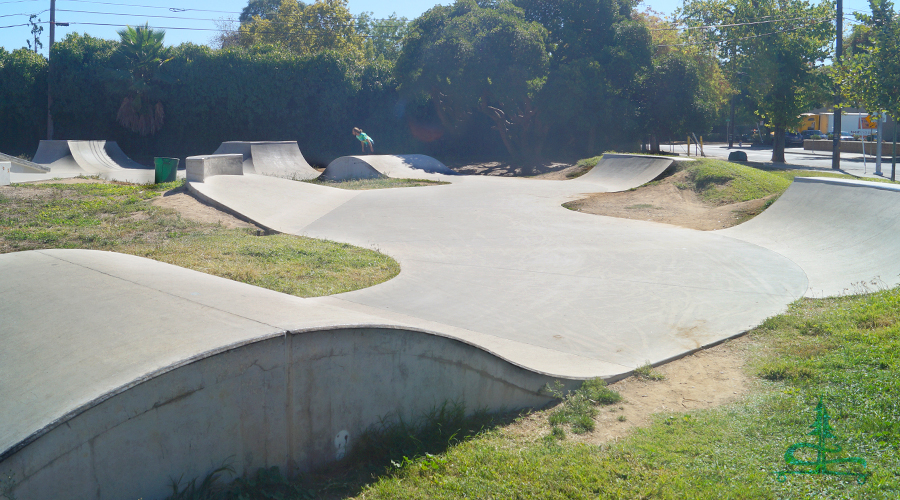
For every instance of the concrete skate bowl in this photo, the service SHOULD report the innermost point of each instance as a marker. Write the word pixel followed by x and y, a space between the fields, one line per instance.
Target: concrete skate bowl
pixel 274 158
pixel 621 172
pixel 382 166
pixel 101 158
pixel 161 372
pixel 840 232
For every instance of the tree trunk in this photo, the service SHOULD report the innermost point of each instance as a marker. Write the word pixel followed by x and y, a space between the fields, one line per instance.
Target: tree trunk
pixel 778 145
pixel 501 125
pixel 439 109
pixel 654 144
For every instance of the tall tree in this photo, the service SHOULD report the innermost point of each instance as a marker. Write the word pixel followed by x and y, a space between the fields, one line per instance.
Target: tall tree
pixel 384 37
pixel 778 44
pixel 306 29
pixel 473 58
pixel 144 54
pixel 872 72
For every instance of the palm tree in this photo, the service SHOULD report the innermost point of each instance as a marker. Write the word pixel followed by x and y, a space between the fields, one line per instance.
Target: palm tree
pixel 144 52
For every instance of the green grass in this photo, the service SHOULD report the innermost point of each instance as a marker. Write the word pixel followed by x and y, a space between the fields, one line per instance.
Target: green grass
pixel 720 182
pixel 119 218
pixel 844 350
pixel 385 183
pixel 578 408
pixel 646 372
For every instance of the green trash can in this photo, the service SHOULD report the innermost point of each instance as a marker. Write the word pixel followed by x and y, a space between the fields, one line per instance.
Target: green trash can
pixel 166 168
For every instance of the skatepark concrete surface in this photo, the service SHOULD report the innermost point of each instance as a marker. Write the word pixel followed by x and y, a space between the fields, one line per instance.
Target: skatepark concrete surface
pixel 380 166
pixel 617 172
pixel 841 232
pixel 139 371
pixel 274 158
pixel 104 159
pixel 20 166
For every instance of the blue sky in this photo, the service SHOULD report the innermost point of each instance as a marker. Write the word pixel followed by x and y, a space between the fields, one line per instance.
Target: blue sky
pixel 198 16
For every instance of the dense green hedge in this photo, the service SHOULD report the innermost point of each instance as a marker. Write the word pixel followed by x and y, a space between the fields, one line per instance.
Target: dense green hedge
pixel 210 96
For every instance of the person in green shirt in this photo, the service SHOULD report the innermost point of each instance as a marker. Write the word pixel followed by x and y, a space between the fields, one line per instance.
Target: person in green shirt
pixel 364 139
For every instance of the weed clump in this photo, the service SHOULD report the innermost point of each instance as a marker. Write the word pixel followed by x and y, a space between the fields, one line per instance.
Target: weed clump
pixel 579 407
pixel 646 372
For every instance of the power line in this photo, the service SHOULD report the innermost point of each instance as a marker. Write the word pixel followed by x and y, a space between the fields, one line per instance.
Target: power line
pixel 141 15
pixel 18 1
pixel 25 14
pixel 731 25
pixel 14 25
pixel 745 37
pixel 173 9
pixel 186 18
pixel 310 32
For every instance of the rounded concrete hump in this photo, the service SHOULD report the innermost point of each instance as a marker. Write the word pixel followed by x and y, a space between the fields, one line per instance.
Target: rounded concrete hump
pixel 843 233
pixel 395 166
pixel 621 172
pixel 350 167
pixel 281 159
pixel 241 148
pixel 426 163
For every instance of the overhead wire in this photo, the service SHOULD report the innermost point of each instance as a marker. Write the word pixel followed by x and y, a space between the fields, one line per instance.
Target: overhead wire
pixel 25 13
pixel 686 44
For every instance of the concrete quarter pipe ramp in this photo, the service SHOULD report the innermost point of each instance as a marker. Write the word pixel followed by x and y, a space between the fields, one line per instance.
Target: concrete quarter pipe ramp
pixel 378 166
pixel 617 172
pixel 273 158
pixel 101 158
pixel 840 232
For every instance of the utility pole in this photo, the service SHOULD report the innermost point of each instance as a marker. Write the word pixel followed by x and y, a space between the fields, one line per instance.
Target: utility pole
pixel 50 69
pixel 838 51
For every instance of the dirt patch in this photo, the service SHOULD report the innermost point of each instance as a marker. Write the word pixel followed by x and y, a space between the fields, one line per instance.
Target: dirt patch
pixel 193 209
pixel 664 201
pixel 706 379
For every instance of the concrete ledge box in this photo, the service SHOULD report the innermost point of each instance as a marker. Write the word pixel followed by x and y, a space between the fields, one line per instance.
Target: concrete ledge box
pixel 199 168
pixel 5 167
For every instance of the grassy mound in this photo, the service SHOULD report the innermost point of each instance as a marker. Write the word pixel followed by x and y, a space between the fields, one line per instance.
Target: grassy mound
pixel 119 218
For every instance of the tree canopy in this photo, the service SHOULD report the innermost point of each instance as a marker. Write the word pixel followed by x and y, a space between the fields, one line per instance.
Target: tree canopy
pixel 470 58
pixel 775 47
pixel 871 75
pixel 325 25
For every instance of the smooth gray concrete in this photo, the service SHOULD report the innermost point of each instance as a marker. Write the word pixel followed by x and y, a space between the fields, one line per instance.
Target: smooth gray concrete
pixel 5 168
pixel 142 371
pixel 840 232
pixel 104 159
pixel 19 165
pixel 275 158
pixel 378 166
pixel 615 172
pixel 200 168
pixel 501 258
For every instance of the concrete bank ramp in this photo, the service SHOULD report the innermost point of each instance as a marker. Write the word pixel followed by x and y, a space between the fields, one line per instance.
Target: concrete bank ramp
pixel 273 158
pixel 379 166
pixel 621 172
pixel 20 166
pixel 143 371
pixel 840 232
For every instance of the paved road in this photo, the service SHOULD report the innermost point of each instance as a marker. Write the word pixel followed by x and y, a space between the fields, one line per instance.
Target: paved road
pixel 851 163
